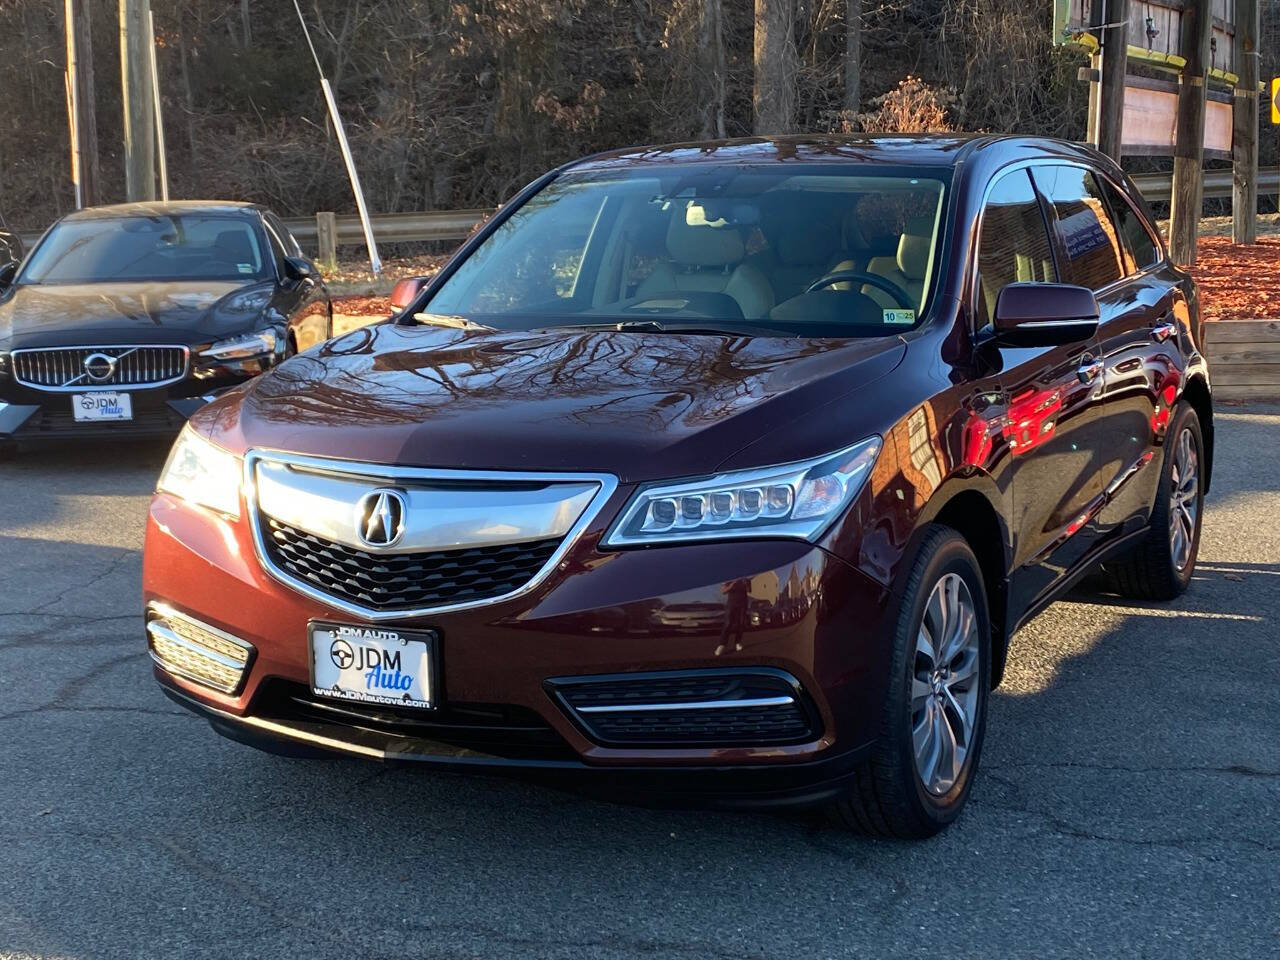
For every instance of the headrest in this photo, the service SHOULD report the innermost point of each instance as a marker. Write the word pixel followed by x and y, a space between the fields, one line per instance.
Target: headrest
pixel 806 244
pixel 234 242
pixel 703 245
pixel 913 256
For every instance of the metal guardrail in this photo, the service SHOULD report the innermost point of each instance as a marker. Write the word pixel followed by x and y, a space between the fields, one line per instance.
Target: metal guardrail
pixel 1217 184
pixel 395 227
pixel 458 224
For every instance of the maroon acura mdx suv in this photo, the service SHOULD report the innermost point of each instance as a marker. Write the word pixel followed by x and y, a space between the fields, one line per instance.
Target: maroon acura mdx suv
pixel 724 470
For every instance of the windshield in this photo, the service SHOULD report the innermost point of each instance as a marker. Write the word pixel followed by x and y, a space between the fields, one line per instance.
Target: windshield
pixel 147 248
pixel 837 250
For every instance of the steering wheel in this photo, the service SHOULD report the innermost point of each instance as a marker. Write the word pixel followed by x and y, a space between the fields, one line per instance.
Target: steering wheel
pixel 870 279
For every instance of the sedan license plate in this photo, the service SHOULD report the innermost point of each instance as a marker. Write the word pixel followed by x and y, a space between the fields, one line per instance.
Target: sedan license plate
pixel 372 664
pixel 109 405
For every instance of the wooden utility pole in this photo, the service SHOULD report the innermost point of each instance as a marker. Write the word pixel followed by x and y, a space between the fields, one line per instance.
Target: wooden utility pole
pixel 1244 134
pixel 774 93
pixel 1115 59
pixel 136 89
pixel 80 103
pixel 1186 202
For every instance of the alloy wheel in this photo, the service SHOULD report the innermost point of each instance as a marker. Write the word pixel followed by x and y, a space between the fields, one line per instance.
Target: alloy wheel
pixel 944 685
pixel 1184 499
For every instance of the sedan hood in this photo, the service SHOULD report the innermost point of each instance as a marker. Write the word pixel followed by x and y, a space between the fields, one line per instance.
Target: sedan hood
pixel 102 313
pixel 637 405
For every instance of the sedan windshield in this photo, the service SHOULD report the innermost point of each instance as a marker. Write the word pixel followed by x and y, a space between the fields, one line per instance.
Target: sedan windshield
pixel 105 250
pixel 836 250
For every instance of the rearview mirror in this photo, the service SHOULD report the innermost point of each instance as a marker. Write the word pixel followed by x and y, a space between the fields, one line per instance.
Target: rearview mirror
pixel 406 291
pixel 299 268
pixel 1045 314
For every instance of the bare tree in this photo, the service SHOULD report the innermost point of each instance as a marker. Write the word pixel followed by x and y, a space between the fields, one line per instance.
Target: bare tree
pixel 774 96
pixel 714 67
pixel 853 56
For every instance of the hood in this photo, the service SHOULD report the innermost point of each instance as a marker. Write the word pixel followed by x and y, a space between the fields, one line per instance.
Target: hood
pixel 638 405
pixel 101 313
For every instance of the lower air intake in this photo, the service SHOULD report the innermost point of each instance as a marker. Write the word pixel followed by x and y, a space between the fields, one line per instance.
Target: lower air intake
pixel 196 651
pixel 690 708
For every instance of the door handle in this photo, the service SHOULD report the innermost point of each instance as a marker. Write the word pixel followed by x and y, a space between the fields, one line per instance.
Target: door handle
pixel 1089 370
pixel 1164 330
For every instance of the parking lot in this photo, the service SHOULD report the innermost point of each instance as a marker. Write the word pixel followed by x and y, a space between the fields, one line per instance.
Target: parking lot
pixel 1126 806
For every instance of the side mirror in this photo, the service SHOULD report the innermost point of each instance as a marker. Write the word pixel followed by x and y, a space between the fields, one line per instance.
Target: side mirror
pixel 7 272
pixel 406 291
pixel 299 268
pixel 1045 314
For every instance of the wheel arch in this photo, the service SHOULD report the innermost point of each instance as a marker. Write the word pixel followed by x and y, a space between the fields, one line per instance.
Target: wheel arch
pixel 970 509
pixel 1197 394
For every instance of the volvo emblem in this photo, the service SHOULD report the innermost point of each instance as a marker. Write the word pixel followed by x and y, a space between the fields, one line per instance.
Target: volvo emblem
pixel 99 367
pixel 380 517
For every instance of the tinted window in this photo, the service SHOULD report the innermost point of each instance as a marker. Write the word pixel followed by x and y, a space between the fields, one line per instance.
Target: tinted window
pixel 1086 234
pixel 1014 246
pixel 280 232
pixel 148 248
pixel 1139 248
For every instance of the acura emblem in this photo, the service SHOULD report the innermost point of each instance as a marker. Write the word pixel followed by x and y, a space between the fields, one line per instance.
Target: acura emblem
pixel 99 367
pixel 380 517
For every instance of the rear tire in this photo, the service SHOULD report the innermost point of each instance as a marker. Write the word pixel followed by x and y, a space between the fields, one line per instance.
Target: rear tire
pixel 935 708
pixel 1161 565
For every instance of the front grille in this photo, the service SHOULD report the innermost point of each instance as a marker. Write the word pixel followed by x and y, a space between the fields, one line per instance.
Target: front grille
pixel 496 729
pixel 196 650
pixel 56 422
pixel 63 368
pixel 726 707
pixel 403 581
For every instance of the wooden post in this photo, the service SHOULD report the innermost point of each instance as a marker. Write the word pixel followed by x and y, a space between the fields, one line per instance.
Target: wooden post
pixel 136 91
pixel 327 241
pixel 1244 134
pixel 80 97
pixel 1115 59
pixel 1187 200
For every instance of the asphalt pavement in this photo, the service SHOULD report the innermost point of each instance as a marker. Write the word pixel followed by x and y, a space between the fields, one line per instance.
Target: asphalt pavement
pixel 1128 803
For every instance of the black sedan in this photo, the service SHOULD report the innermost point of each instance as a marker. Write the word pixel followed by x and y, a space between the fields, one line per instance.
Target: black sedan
pixel 122 321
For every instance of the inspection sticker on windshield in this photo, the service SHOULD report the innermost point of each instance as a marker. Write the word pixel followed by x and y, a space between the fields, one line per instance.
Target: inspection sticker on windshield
pixel 372 664
pixel 899 316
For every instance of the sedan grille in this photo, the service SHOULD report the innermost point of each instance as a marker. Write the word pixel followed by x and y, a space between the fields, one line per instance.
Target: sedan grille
pixel 690 708
pixel 89 368
pixel 404 581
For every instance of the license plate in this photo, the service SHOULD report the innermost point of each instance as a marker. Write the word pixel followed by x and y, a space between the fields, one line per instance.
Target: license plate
pixel 93 407
pixel 372 664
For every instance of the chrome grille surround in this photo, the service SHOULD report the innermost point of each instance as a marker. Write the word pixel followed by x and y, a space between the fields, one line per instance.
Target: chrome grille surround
pixel 62 369
pixel 489 483
pixel 189 648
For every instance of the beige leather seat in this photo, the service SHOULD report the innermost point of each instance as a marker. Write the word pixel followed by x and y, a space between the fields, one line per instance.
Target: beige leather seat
pixel 803 252
pixel 906 270
pixel 708 259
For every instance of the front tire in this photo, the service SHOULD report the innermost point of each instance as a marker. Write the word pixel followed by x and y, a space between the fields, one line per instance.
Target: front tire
pixel 934 716
pixel 1161 565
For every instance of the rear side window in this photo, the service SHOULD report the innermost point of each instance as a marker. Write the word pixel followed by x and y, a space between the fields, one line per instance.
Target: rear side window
pixel 1139 248
pixel 1086 234
pixel 1014 246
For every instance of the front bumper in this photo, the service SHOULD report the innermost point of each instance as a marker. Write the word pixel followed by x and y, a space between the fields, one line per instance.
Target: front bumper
pixel 812 616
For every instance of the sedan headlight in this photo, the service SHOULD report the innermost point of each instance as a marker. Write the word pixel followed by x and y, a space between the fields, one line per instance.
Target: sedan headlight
pixel 199 472
pixel 797 500
pixel 242 347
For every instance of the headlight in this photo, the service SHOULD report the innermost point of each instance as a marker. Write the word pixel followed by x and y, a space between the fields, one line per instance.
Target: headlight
pixel 238 348
pixel 792 500
pixel 199 472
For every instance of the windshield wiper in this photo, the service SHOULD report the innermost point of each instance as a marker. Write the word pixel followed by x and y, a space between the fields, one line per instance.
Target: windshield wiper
pixel 441 320
pixel 692 327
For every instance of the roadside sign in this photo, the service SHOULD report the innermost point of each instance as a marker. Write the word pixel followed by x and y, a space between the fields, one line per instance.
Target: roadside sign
pixel 1275 100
